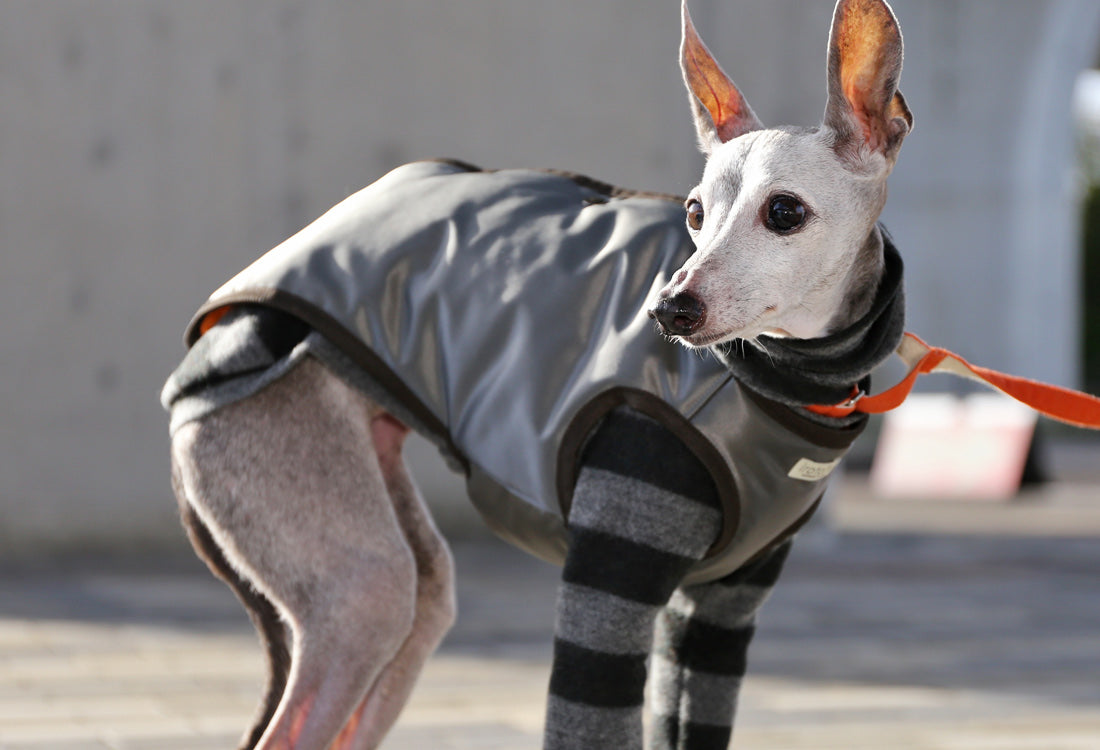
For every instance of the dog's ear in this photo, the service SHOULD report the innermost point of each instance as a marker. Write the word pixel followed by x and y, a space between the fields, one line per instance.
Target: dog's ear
pixel 721 113
pixel 865 108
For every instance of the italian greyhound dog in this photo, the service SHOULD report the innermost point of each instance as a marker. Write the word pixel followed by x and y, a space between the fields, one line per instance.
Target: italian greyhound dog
pixel 295 493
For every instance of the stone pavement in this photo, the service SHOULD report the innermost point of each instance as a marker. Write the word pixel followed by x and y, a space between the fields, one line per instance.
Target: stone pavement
pixel 931 626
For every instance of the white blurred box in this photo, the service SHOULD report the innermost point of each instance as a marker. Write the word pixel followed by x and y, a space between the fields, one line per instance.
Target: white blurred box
pixel 940 446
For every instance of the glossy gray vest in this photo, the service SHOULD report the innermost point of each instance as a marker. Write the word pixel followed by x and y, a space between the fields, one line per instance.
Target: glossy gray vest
pixel 506 312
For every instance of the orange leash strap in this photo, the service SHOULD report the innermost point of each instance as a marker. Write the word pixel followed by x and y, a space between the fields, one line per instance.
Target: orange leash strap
pixel 1063 404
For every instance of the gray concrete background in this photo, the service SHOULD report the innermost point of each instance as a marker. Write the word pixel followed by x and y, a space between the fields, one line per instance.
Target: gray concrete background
pixel 149 149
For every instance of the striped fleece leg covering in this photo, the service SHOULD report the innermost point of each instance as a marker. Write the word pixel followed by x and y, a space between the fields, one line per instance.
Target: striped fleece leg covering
pixel 700 653
pixel 644 511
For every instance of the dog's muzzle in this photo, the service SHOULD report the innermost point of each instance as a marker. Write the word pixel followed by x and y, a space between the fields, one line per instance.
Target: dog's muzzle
pixel 679 315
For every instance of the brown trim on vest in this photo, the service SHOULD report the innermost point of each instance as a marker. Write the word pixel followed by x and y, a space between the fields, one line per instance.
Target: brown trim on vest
pixel 578 431
pixel 825 436
pixel 787 533
pixel 591 183
pixel 580 428
pixel 588 418
pixel 342 338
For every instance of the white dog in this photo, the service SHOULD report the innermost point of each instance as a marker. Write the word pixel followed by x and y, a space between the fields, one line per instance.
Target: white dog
pixel 506 316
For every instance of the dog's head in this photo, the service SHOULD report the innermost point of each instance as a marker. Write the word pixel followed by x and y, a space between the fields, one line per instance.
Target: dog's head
pixel 784 219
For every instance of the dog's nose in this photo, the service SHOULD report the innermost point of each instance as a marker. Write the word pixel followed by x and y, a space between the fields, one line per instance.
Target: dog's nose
pixel 679 315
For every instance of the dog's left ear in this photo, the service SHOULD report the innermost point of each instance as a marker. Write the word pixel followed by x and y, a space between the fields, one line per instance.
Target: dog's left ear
pixel 721 113
pixel 865 108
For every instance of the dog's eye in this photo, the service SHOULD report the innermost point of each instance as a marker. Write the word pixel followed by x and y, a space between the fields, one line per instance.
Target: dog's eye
pixel 785 213
pixel 694 214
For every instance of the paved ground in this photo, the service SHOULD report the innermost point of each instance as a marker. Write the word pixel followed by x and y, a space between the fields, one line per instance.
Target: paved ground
pixel 920 626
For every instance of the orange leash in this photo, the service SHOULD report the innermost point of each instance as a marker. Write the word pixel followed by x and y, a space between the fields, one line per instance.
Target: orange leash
pixel 1063 404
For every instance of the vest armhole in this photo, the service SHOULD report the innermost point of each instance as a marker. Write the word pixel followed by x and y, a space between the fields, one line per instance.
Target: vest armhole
pixel 588 418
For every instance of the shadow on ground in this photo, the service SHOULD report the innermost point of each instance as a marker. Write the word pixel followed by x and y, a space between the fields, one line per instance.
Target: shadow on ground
pixel 1011 613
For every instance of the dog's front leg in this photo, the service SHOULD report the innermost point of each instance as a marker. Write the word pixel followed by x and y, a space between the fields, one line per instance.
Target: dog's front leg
pixel 644 511
pixel 699 661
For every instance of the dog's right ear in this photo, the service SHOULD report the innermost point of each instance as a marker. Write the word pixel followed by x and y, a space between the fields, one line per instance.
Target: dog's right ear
pixel 721 113
pixel 865 109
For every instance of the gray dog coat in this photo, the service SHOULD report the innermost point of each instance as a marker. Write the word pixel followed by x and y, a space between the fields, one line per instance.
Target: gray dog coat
pixel 504 314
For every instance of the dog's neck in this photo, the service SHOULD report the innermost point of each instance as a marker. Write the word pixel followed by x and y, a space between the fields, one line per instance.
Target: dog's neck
pixel 863 282
pixel 800 372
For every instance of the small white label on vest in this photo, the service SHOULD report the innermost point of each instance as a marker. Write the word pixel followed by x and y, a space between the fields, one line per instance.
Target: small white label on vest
pixel 811 471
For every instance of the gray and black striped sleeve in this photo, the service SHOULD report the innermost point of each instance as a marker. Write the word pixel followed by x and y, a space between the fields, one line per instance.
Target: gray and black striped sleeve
pixel 700 655
pixel 644 511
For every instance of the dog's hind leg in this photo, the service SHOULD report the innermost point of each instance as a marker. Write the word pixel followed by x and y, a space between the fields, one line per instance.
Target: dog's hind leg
pixel 291 490
pixel 269 626
pixel 435 598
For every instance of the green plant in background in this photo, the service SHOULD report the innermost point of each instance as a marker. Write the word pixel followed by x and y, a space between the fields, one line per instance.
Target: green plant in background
pixel 1087 119
pixel 1090 282
pixel 1088 128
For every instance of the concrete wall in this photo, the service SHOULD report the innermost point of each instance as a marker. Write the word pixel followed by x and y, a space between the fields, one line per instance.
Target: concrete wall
pixel 985 201
pixel 149 148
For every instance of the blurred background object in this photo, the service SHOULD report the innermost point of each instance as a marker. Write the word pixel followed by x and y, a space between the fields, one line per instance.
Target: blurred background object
pixel 149 149
pixel 939 446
